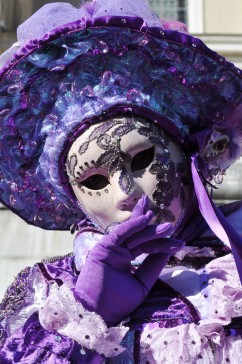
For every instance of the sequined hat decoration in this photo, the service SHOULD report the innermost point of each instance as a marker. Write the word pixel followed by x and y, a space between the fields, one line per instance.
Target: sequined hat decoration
pixel 76 67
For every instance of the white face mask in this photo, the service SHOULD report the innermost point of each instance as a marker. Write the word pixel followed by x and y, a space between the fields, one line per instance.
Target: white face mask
pixel 112 164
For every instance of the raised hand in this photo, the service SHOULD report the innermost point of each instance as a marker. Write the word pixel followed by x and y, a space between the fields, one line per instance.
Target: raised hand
pixel 108 284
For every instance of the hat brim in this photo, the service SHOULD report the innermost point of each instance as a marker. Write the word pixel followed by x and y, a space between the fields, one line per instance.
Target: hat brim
pixel 82 72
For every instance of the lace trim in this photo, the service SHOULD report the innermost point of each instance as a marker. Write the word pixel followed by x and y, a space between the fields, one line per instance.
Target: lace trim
pixel 63 314
pixel 15 294
pixel 190 344
pixel 206 342
pixel 56 258
pixel 199 253
pixel 225 291
pixel 13 300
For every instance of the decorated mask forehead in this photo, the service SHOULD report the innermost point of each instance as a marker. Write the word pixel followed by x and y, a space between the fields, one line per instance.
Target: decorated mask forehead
pixel 112 164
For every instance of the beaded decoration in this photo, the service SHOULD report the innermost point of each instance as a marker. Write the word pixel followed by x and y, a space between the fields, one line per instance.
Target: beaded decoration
pixel 171 177
pixel 62 313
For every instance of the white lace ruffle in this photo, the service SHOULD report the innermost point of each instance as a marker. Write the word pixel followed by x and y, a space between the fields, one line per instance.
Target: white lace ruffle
pixel 181 344
pixel 189 344
pixel 62 313
pixel 205 342
pixel 225 290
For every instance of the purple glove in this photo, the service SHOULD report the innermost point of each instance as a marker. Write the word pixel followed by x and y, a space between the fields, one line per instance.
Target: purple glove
pixel 107 283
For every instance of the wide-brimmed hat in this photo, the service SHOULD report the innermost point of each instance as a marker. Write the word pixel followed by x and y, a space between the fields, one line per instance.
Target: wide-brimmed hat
pixel 74 67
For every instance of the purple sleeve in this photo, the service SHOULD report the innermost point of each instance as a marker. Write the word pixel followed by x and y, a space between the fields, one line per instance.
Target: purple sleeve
pixel 31 343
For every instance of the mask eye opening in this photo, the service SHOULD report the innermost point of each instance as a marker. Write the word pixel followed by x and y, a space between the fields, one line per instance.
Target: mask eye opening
pixel 95 182
pixel 142 159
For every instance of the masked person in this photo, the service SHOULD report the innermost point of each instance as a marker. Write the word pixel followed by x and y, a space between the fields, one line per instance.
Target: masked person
pixel 114 123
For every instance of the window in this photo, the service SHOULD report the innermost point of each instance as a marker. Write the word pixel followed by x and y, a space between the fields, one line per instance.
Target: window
pixel 170 9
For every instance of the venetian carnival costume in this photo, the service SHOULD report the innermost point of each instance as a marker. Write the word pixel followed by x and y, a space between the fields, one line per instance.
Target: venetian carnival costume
pixel 93 101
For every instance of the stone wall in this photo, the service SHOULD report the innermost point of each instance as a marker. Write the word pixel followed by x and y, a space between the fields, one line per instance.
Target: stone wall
pixel 23 245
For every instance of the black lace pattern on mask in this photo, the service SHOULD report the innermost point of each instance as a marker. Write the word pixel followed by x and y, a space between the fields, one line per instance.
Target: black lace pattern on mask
pixel 171 177
pixel 171 182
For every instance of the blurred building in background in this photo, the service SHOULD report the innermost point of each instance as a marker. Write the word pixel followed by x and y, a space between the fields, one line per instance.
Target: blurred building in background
pixel 217 22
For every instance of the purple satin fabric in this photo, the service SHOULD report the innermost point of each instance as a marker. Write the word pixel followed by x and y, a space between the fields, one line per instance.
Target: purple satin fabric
pixel 216 220
pixel 132 22
pixel 33 344
pixel 164 307
pixel 164 52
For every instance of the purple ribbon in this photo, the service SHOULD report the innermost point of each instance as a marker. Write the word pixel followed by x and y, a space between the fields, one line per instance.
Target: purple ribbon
pixel 215 219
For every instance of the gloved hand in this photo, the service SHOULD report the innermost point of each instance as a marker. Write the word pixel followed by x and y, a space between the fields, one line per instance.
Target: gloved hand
pixel 107 283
